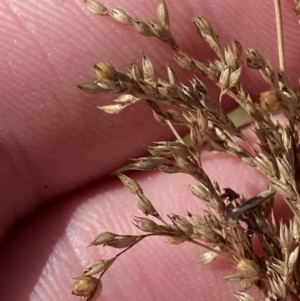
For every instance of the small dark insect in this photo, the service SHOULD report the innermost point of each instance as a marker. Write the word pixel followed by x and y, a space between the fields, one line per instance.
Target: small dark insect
pixel 230 194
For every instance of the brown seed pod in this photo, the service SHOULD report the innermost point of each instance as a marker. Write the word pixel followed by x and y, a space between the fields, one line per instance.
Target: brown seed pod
pixel 270 100
pixel 87 287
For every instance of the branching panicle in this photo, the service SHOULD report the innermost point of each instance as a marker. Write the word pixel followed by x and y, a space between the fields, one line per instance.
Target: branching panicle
pixel 230 222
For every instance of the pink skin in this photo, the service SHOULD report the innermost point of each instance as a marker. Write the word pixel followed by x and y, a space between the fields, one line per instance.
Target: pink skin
pixel 54 141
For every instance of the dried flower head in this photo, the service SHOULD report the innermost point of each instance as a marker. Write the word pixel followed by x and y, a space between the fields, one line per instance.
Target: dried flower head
pixel 230 221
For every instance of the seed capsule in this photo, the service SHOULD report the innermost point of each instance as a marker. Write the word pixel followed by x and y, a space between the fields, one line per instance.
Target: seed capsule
pixel 88 288
pixel 270 100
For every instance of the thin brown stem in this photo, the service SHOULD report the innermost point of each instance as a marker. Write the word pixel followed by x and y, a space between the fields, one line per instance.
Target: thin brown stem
pixel 221 254
pixel 178 137
pixel 280 41
pixel 141 237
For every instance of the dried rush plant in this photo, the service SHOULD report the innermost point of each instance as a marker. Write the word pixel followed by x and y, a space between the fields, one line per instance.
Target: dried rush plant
pixel 230 221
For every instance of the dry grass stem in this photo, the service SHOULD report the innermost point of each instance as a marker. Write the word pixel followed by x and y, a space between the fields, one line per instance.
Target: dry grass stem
pixel 279 34
pixel 230 221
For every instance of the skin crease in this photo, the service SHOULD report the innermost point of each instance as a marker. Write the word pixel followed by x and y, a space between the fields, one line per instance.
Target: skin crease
pixel 55 143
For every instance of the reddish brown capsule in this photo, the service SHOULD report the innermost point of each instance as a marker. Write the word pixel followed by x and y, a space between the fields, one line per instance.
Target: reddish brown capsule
pixel 87 287
pixel 270 100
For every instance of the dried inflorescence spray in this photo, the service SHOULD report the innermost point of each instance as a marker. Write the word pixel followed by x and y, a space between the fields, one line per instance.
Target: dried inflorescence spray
pixel 230 221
